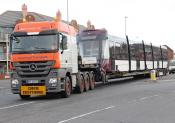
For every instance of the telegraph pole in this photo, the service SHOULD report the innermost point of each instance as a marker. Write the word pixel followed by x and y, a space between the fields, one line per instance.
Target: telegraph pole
pixel 7 52
pixel 126 25
pixel 67 10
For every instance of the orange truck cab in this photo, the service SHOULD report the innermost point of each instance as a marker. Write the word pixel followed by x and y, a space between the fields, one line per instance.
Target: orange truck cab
pixel 43 59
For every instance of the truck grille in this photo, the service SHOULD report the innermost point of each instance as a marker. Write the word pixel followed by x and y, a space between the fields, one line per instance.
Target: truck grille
pixel 33 69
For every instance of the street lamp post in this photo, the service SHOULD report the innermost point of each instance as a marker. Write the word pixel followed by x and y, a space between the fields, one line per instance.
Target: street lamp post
pixel 7 53
pixel 125 24
pixel 68 14
pixel 67 10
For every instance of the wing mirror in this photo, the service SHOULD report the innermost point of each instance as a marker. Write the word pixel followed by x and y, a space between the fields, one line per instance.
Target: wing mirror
pixel 63 44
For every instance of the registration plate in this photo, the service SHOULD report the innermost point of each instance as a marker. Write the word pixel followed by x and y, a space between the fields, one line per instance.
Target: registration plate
pixel 32 81
pixel 33 90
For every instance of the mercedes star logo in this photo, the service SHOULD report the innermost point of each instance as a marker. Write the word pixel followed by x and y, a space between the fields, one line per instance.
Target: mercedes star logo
pixel 32 67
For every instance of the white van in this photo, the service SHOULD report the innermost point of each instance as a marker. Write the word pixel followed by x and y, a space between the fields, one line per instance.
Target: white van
pixel 172 67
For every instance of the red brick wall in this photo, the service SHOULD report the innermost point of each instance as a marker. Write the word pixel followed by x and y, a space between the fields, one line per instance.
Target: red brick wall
pixel 170 54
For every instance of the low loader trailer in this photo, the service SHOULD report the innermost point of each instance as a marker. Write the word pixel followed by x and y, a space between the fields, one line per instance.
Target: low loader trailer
pixel 51 58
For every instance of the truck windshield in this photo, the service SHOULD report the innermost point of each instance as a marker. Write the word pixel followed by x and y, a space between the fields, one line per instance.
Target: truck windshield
pixel 34 43
pixel 91 43
pixel 89 48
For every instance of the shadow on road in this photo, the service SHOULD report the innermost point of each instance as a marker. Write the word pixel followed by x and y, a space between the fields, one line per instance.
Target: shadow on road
pixel 99 86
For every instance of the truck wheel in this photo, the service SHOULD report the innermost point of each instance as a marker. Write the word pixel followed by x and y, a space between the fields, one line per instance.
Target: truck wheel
pixel 68 88
pixel 24 96
pixel 92 81
pixel 81 84
pixel 86 82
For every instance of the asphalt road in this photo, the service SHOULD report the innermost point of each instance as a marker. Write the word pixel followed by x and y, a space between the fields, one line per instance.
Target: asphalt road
pixel 133 101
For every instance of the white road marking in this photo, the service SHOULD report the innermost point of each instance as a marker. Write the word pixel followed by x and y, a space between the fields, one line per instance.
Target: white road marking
pixel 155 95
pixel 148 97
pixel 143 98
pixel 83 115
pixel 12 106
pixel 134 101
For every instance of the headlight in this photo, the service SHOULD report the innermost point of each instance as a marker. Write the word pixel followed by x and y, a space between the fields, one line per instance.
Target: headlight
pixel 15 82
pixel 53 80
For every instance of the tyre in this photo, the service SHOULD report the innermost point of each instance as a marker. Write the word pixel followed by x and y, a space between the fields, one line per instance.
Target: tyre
pixel 86 82
pixel 92 81
pixel 24 97
pixel 67 88
pixel 81 85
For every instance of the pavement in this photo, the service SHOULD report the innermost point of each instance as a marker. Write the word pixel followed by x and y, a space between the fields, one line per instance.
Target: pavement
pixel 131 101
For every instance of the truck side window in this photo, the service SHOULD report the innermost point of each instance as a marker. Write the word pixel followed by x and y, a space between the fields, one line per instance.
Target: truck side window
pixel 63 42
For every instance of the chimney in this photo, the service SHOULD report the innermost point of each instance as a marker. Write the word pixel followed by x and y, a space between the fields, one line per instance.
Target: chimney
pixel 89 24
pixel 92 27
pixel 58 16
pixel 75 25
pixel 24 11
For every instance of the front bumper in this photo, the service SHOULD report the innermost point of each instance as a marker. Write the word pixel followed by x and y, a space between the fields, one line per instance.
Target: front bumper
pixel 41 81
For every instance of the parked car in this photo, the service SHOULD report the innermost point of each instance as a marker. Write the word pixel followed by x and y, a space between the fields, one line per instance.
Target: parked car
pixel 172 67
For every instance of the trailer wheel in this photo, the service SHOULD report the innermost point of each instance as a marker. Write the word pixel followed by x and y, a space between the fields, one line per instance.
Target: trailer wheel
pixel 24 97
pixel 68 88
pixel 92 81
pixel 81 85
pixel 86 82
